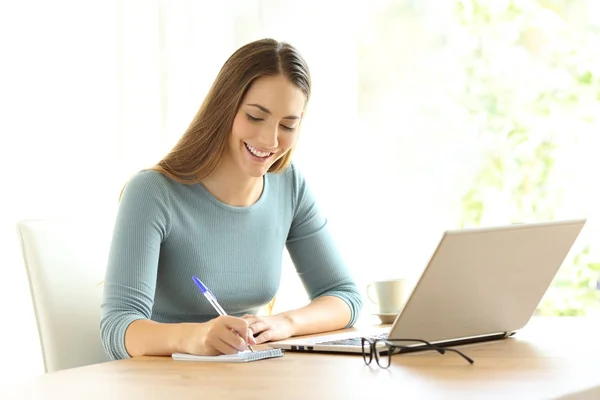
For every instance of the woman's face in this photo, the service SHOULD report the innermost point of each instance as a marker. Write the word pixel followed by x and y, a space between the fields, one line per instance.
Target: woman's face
pixel 266 124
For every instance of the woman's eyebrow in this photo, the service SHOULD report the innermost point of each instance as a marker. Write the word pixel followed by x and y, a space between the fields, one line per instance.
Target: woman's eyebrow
pixel 266 111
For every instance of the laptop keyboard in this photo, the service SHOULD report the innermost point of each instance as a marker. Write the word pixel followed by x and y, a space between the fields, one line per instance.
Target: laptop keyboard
pixel 355 341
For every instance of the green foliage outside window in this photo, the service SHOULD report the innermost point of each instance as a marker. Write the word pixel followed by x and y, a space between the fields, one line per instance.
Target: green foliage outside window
pixel 520 77
pixel 527 122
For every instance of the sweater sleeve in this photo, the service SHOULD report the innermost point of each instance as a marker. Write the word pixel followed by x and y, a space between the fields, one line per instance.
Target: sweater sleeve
pixel 314 253
pixel 141 225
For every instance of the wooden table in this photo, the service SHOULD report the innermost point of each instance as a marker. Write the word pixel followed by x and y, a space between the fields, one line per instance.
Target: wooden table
pixel 550 358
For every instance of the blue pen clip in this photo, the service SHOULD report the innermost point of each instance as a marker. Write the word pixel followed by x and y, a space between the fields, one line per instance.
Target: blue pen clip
pixel 203 288
pixel 209 296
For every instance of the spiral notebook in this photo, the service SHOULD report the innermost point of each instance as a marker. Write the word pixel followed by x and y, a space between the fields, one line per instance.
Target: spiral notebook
pixel 243 356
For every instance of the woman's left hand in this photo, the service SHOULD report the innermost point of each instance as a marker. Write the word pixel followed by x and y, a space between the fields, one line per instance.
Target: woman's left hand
pixel 269 328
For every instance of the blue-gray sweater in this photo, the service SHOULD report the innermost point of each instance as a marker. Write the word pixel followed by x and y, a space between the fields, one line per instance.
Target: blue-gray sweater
pixel 166 232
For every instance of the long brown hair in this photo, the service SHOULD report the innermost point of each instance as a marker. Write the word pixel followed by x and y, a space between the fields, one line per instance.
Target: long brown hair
pixel 200 148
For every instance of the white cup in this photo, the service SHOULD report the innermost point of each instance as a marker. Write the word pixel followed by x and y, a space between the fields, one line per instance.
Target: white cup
pixel 388 295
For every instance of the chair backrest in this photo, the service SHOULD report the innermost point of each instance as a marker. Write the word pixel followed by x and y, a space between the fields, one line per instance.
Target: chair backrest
pixel 65 262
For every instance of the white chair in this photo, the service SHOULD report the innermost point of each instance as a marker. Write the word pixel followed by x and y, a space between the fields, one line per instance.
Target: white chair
pixel 65 262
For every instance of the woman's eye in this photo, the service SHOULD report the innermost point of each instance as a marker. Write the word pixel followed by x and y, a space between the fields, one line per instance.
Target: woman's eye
pixel 287 128
pixel 251 118
pixel 256 119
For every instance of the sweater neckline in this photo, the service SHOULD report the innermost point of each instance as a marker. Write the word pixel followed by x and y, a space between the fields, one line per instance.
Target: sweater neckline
pixel 256 204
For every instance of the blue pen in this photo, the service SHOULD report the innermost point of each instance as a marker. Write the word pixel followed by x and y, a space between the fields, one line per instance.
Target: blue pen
pixel 212 299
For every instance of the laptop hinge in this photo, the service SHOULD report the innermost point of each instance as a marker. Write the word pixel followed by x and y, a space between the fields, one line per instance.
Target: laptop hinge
pixel 458 342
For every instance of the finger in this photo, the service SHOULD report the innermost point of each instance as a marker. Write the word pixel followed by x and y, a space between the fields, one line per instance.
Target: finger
pixel 259 327
pixel 264 337
pixel 250 337
pixel 234 340
pixel 218 341
pixel 235 322
pixel 224 347
pixel 234 331
pixel 250 318
pixel 239 325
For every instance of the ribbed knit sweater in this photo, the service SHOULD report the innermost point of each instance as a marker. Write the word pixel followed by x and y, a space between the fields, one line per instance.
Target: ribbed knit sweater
pixel 166 232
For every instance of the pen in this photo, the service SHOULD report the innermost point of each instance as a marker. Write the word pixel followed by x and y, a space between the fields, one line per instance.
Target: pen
pixel 212 299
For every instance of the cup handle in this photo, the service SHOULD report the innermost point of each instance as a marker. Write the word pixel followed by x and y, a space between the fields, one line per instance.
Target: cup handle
pixel 369 286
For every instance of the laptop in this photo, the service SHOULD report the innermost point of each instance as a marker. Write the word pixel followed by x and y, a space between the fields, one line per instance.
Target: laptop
pixel 480 284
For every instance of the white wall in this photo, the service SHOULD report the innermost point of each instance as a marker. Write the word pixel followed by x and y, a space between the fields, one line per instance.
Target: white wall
pixel 83 86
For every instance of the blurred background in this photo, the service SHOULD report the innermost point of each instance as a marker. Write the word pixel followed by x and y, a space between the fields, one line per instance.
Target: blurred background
pixel 425 116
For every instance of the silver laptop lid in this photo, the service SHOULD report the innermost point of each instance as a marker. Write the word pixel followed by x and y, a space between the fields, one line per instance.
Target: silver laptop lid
pixel 485 281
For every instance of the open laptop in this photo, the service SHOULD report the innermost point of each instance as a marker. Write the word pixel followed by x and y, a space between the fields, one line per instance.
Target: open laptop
pixel 480 284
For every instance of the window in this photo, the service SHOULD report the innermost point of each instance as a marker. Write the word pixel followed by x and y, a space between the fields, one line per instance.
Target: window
pixel 425 116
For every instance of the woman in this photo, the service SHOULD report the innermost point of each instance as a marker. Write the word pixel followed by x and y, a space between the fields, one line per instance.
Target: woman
pixel 221 206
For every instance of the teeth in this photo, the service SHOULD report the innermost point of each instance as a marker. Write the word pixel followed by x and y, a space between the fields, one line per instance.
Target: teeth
pixel 257 153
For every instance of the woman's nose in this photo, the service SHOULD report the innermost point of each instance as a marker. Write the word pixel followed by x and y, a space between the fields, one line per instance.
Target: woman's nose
pixel 269 138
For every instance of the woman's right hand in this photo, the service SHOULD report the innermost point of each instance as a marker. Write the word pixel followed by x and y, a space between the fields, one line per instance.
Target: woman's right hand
pixel 223 335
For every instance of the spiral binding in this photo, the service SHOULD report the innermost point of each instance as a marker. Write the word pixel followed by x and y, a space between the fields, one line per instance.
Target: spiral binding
pixel 262 354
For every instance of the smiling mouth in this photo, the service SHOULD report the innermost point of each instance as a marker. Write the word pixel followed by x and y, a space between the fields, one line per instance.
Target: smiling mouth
pixel 257 153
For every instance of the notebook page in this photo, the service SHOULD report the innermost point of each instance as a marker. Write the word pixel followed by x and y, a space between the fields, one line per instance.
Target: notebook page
pixel 242 356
